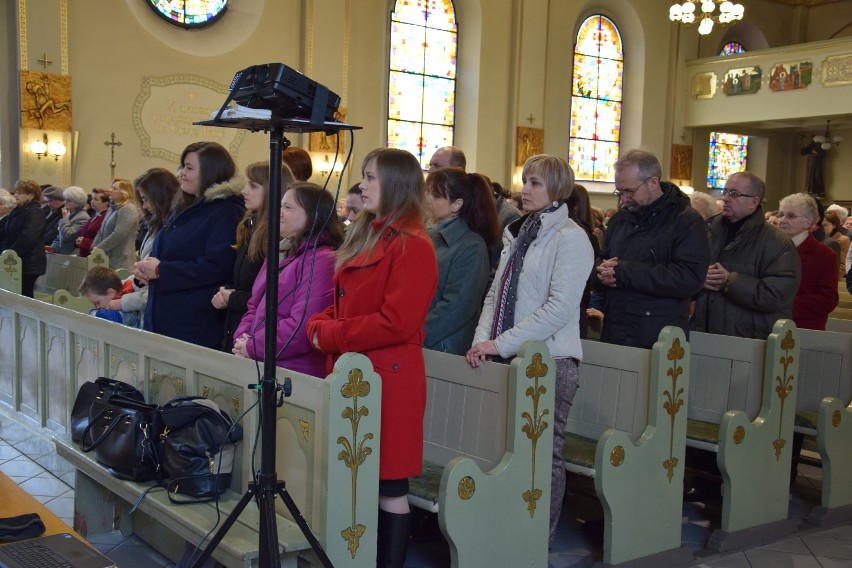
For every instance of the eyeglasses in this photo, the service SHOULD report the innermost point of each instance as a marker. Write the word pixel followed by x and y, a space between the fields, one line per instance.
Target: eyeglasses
pixel 791 216
pixel 734 193
pixel 620 192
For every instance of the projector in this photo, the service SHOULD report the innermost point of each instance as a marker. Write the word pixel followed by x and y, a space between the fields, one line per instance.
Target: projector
pixel 284 91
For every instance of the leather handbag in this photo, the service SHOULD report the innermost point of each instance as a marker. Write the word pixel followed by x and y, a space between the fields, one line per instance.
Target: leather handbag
pixel 123 434
pixel 197 447
pixel 101 388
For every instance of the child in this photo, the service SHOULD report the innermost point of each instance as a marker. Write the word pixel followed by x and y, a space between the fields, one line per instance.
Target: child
pixel 102 285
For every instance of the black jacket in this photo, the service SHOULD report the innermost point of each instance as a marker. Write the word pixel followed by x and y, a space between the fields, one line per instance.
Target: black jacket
pixel 24 234
pixel 245 272
pixel 663 255
pixel 765 272
pixel 51 224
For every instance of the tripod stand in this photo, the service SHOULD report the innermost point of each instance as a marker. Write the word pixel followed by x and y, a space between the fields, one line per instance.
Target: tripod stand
pixel 265 488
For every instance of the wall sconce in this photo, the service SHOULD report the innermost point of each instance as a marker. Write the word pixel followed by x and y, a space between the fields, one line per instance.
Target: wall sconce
pixel 44 148
pixel 326 166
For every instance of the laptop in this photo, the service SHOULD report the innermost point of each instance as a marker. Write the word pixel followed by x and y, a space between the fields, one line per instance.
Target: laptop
pixel 58 550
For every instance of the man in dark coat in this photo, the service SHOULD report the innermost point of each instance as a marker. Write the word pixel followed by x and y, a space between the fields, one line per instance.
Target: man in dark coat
pixel 755 272
pixel 655 256
pixel 55 201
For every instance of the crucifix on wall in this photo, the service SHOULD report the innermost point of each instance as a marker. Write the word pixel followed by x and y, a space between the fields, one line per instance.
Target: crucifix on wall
pixel 112 143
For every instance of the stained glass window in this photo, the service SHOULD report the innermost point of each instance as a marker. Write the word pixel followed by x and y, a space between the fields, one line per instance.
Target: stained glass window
pixel 596 100
pixel 728 154
pixel 189 13
pixel 422 82
pixel 732 48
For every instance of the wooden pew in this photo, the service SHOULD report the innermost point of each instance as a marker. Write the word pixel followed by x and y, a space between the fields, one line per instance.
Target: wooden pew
pixel 753 449
pixel 487 454
pixel 626 429
pixel 823 410
pixel 839 325
pixel 327 432
pixel 10 271
pixel 66 272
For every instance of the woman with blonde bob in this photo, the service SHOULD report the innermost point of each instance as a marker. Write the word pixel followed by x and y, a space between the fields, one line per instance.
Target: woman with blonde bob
pixel 386 276
pixel 542 302
pixel 117 235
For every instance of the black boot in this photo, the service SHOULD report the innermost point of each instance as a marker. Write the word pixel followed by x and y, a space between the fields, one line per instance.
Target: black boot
pixel 393 539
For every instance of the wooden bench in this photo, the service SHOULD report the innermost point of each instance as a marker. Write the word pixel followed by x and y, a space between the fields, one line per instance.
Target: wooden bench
pixel 66 272
pixel 839 325
pixel 823 410
pixel 10 271
pixel 487 455
pixel 753 449
pixel 626 429
pixel 327 432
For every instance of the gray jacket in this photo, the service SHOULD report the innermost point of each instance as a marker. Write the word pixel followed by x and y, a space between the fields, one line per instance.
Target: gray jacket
pixel 117 236
pixel 69 230
pixel 764 276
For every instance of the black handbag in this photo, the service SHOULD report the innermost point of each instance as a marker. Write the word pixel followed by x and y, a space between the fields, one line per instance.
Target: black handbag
pixel 123 434
pixel 197 447
pixel 99 389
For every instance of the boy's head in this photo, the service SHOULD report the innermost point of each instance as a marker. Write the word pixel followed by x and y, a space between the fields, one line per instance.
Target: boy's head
pixel 100 286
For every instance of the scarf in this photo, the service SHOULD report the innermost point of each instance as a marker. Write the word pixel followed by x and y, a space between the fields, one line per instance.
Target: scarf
pixel 504 314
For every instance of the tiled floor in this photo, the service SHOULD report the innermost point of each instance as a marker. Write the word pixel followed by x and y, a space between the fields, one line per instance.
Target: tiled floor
pixel 578 543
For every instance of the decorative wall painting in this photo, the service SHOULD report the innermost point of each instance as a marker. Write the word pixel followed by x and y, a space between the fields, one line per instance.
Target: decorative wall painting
pixel 791 76
pixel 837 70
pixel 45 101
pixel 743 81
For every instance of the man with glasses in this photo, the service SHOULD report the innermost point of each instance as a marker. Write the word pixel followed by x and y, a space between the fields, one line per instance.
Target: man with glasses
pixel 755 269
pixel 655 256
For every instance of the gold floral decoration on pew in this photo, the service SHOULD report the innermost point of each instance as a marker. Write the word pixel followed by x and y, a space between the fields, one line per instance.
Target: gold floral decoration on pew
pixel 355 451
pixel 836 418
pixel 784 388
pixel 535 425
pixel 11 265
pixel 674 401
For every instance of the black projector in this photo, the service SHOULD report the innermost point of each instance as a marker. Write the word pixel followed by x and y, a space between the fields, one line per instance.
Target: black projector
pixel 284 91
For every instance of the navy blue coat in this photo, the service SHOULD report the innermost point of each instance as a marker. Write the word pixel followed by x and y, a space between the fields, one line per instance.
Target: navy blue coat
pixel 24 233
pixel 195 254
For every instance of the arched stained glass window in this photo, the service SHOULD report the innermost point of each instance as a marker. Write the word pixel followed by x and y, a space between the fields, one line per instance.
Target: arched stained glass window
pixel 727 155
pixel 422 82
pixel 189 14
pixel 732 48
pixel 596 100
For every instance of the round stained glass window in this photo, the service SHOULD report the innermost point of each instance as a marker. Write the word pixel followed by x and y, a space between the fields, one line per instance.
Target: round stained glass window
pixel 189 14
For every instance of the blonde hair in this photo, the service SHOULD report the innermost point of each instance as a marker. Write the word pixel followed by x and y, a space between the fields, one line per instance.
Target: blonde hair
pixel 557 175
pixel 127 191
pixel 403 194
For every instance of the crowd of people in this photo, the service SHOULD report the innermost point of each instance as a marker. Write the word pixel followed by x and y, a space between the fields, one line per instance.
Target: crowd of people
pixel 449 261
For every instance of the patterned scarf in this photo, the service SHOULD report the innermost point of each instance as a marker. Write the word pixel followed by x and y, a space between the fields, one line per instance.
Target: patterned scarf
pixel 504 314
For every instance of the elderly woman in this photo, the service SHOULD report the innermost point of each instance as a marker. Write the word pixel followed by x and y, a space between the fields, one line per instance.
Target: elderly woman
pixel 817 294
pixel 536 294
pixel 117 236
pixel 74 216
pixel 90 229
pixel 24 232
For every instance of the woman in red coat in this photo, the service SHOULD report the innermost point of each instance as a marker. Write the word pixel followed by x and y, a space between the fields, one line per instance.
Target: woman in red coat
pixel 386 277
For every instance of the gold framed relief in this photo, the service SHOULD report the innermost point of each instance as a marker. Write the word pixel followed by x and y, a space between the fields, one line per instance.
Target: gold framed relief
pixel 530 141
pixel 45 101
pixel 837 70
pixel 325 142
pixel 704 85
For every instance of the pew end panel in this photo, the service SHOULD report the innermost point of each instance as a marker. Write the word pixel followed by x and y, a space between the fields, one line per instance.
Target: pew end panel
pixel 350 466
pixel 754 456
pixel 10 271
pixel 517 490
pixel 65 299
pixel 834 433
pixel 640 483
pixel 66 272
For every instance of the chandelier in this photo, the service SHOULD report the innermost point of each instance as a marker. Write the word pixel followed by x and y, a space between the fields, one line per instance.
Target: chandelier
pixel 827 140
pixel 706 15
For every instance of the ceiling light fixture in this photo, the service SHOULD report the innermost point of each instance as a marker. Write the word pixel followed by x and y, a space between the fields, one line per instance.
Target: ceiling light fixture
pixel 706 15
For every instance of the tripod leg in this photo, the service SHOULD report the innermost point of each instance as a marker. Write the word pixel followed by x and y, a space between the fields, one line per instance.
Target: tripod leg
pixel 303 525
pixel 268 546
pixel 223 530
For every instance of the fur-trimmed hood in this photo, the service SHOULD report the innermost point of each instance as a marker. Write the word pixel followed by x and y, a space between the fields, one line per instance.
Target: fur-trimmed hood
pixel 229 188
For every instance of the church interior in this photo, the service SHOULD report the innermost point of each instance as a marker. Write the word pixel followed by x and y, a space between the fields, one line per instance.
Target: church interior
pixel 100 89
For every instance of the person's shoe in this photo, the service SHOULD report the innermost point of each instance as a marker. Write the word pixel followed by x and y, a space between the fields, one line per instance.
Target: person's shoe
pixel 392 539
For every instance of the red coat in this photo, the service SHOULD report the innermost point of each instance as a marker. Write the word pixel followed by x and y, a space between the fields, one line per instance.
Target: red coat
pixel 380 307
pixel 817 294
